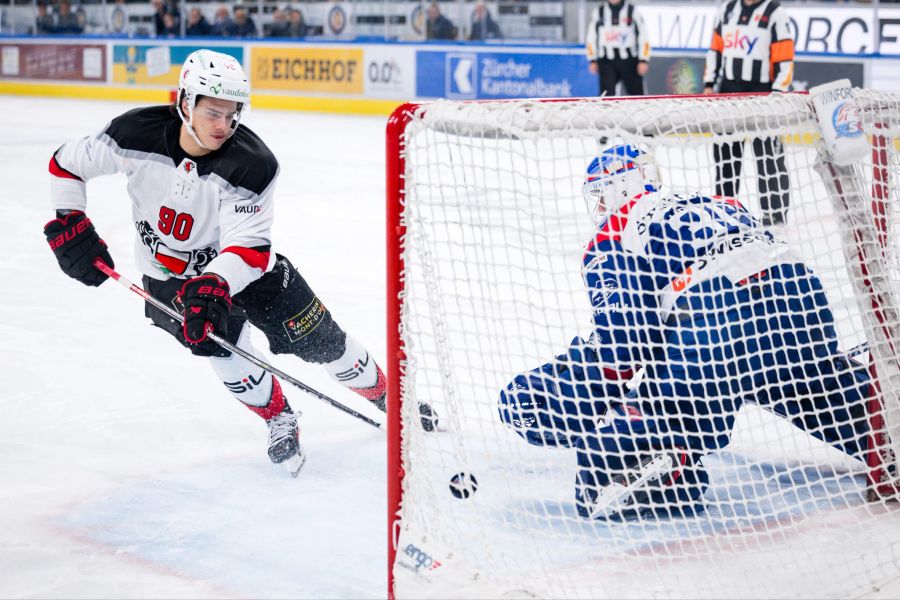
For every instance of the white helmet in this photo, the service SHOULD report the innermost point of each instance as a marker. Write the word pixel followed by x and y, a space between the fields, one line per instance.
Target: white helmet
pixel 616 176
pixel 212 74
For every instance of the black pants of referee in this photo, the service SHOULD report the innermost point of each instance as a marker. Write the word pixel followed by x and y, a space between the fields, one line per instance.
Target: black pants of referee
pixel 772 182
pixel 614 70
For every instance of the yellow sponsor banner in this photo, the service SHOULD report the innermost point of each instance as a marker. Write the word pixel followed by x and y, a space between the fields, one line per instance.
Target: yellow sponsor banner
pixel 137 74
pixel 333 70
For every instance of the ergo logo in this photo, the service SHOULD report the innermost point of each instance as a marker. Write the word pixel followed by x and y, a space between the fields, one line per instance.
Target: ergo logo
pixel 421 558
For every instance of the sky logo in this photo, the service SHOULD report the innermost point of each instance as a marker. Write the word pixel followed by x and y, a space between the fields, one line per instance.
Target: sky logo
pixel 461 72
pixel 741 42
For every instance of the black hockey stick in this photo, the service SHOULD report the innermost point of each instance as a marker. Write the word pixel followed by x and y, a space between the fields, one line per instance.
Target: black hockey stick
pixel 231 347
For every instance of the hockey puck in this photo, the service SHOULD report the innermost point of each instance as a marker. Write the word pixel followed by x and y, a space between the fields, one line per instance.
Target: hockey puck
pixel 463 485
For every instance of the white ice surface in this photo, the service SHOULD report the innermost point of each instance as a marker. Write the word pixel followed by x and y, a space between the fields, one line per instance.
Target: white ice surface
pixel 126 470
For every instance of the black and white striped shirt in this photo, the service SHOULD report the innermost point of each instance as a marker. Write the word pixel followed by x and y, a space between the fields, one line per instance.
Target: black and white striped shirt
pixel 617 31
pixel 751 44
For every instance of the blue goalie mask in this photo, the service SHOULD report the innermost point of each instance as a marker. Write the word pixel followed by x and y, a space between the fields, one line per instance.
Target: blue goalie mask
pixel 616 176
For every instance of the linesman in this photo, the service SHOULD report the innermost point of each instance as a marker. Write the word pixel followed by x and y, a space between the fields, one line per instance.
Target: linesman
pixel 752 51
pixel 617 47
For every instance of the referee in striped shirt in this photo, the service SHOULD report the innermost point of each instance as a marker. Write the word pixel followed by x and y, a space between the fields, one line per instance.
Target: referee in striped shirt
pixel 617 47
pixel 752 51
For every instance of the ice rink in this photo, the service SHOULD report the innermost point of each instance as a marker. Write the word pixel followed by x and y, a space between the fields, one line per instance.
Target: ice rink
pixel 127 470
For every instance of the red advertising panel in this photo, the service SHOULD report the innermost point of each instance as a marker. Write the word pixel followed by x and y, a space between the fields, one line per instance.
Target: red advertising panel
pixel 59 62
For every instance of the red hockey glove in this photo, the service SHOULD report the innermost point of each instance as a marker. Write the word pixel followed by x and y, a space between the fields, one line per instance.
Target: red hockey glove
pixel 76 244
pixel 207 302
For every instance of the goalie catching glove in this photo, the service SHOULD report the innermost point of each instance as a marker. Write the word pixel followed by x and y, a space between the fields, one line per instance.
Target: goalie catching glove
pixel 76 245
pixel 207 301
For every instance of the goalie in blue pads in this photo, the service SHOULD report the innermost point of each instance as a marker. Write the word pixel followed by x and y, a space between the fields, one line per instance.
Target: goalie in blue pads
pixel 715 311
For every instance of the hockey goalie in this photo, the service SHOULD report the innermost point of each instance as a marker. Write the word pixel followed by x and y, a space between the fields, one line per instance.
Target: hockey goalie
pixel 697 309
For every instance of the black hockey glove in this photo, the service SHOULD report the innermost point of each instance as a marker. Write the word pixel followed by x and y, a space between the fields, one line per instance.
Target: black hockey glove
pixel 75 243
pixel 206 301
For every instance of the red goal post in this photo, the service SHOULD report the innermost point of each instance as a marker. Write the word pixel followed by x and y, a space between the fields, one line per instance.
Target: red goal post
pixel 868 243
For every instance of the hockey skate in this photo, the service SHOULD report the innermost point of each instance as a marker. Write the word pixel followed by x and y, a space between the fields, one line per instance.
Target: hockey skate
pixel 284 440
pixel 629 494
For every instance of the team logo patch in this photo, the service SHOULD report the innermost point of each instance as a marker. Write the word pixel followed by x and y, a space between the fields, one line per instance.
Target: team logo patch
pixel 187 169
pixel 172 261
pixel 846 120
pixel 601 295
pixel 303 323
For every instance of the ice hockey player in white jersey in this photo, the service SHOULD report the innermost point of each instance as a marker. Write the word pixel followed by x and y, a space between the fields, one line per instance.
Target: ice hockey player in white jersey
pixel 202 192
pixel 715 311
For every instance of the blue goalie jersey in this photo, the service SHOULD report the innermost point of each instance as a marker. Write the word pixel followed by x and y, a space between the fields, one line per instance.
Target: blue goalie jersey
pixel 654 248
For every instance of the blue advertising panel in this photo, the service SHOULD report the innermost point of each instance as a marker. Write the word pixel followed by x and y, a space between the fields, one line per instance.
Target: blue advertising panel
pixel 157 63
pixel 470 75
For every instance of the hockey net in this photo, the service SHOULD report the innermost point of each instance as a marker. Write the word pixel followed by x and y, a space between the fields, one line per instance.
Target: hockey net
pixel 486 233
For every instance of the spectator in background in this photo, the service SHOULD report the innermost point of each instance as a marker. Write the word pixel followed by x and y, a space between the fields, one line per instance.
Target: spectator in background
pixel 161 9
pixel 617 47
pixel 484 27
pixel 765 66
pixel 279 26
pixel 439 27
pixel 242 24
pixel 197 24
pixel 170 26
pixel 222 22
pixel 67 21
pixel 297 27
pixel 44 23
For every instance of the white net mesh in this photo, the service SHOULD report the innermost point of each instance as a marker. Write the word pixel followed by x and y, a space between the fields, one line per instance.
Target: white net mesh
pixel 496 235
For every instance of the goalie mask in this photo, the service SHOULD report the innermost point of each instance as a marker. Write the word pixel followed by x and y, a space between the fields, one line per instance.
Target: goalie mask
pixel 616 176
pixel 214 75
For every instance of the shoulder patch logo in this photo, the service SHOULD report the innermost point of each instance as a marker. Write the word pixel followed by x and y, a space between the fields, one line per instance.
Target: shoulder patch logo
pixel 250 210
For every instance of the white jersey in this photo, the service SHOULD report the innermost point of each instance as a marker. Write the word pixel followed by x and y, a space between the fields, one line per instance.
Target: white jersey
pixel 191 215
pixel 617 32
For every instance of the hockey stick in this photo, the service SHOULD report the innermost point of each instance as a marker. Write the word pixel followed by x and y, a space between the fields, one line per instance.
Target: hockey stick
pixel 857 350
pixel 231 347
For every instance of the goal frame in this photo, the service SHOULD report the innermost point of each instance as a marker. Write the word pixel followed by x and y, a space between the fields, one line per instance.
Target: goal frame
pixel 878 486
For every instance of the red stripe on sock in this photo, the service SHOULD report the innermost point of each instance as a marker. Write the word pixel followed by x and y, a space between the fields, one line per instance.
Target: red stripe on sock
pixel 376 391
pixel 274 406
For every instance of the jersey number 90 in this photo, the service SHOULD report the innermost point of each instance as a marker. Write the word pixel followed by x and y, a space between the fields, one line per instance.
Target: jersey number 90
pixel 178 225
